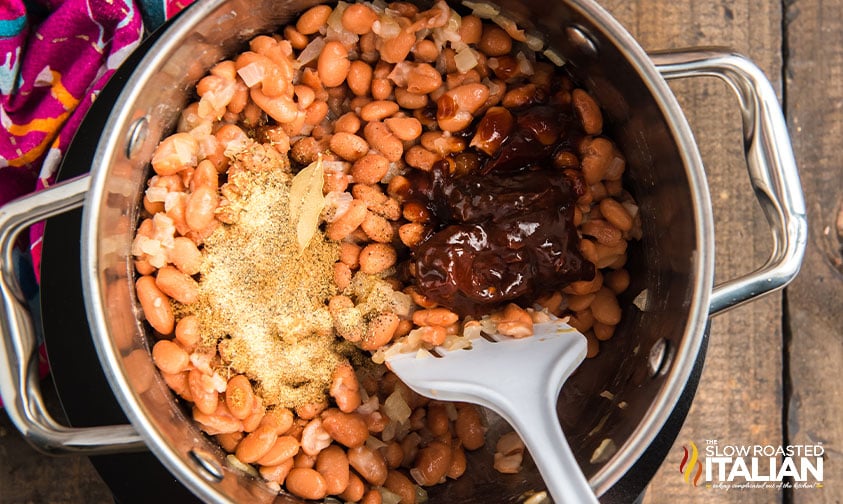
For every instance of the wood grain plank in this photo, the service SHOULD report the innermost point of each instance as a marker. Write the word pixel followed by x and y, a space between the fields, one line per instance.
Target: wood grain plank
pixel 815 101
pixel 739 398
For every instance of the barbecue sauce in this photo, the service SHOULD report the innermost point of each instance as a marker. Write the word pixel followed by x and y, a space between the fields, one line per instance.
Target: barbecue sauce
pixel 504 232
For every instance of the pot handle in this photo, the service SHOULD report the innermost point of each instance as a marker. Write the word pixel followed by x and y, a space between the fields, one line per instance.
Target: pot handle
pixel 770 163
pixel 19 384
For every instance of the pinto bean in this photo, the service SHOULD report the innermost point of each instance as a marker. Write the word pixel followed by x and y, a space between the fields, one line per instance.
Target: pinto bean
pixel 369 464
pixel 588 111
pixel 333 64
pixel 432 464
pixel 348 146
pixel 405 128
pixel 155 304
pixel 469 427
pixel 306 483
pixel 169 357
pixel 401 485
pixel 382 140
pixel 370 169
pixel 358 18
pixel 312 19
pixel 378 110
pixel 177 285
pixel 345 388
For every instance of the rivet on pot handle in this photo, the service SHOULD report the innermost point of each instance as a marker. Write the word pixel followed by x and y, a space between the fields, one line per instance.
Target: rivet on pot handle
pixel 19 382
pixel 770 162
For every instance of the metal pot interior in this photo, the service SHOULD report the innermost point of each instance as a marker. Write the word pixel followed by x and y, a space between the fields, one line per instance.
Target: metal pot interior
pixel 643 368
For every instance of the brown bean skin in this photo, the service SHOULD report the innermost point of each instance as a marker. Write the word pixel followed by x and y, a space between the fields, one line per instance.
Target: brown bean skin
pixel 313 19
pixel 349 147
pixel 369 464
pixel 355 489
pixel 378 110
pixel 381 139
pixel 256 444
pixel 458 462
pixel 348 429
pixel 401 485
pixel 494 41
pixel 587 109
pixel 285 448
pixel 605 307
pixel 381 330
pixel 469 427
pixel 177 285
pixel 169 357
pixel 377 257
pixel 358 19
pixel 616 214
pixel 332 464
pixel 348 123
pixel 370 169
pixel 471 29
pixel 155 304
pixel 405 128
pixel 306 483
pixel 359 78
pixel 333 64
pixel 432 463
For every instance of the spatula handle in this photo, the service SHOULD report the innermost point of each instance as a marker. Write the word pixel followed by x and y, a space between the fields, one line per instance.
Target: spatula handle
pixel 550 450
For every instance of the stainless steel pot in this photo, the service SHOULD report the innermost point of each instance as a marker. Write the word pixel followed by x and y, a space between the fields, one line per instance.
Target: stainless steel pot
pixel 646 366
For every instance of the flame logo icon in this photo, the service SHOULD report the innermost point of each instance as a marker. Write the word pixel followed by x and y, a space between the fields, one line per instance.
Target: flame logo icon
pixel 690 462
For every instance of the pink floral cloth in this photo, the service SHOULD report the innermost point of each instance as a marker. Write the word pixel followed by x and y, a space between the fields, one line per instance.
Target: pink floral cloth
pixel 55 57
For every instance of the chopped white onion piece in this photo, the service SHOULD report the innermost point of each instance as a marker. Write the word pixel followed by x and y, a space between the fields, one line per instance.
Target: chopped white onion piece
pixel 465 60
pixel 386 27
pixel 388 497
pixel 534 42
pixel 524 64
pixel 374 443
pixel 251 74
pixel 156 194
pixel 482 10
pixel 238 464
pixel 396 408
pixel 311 51
pixel 554 57
pixel 510 28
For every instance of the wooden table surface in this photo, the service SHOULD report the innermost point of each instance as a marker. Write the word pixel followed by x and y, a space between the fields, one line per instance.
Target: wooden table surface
pixel 770 376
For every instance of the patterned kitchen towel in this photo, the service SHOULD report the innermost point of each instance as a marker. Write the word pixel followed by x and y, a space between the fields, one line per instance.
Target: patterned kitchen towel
pixel 55 57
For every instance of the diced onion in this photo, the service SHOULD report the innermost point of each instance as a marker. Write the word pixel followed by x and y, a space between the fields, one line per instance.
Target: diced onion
pixel 554 57
pixel 465 60
pixel 337 204
pixel 251 74
pixel 534 42
pixel 374 443
pixel 396 408
pixel 156 194
pixel 238 464
pixel 386 27
pixel 510 28
pixel 524 64
pixel 388 497
pixel 311 51
pixel 482 10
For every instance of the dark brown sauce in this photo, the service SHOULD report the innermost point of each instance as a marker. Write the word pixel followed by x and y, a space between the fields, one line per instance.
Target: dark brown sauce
pixel 505 232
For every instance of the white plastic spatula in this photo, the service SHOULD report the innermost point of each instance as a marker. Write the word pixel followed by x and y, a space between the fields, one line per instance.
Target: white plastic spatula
pixel 520 380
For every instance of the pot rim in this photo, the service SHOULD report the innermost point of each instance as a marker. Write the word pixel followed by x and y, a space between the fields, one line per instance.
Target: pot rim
pixel 702 268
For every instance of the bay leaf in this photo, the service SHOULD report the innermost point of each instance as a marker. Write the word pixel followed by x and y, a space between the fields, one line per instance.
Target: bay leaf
pixel 307 201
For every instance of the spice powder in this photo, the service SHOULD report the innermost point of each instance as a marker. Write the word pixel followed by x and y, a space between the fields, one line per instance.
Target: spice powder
pixel 262 302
